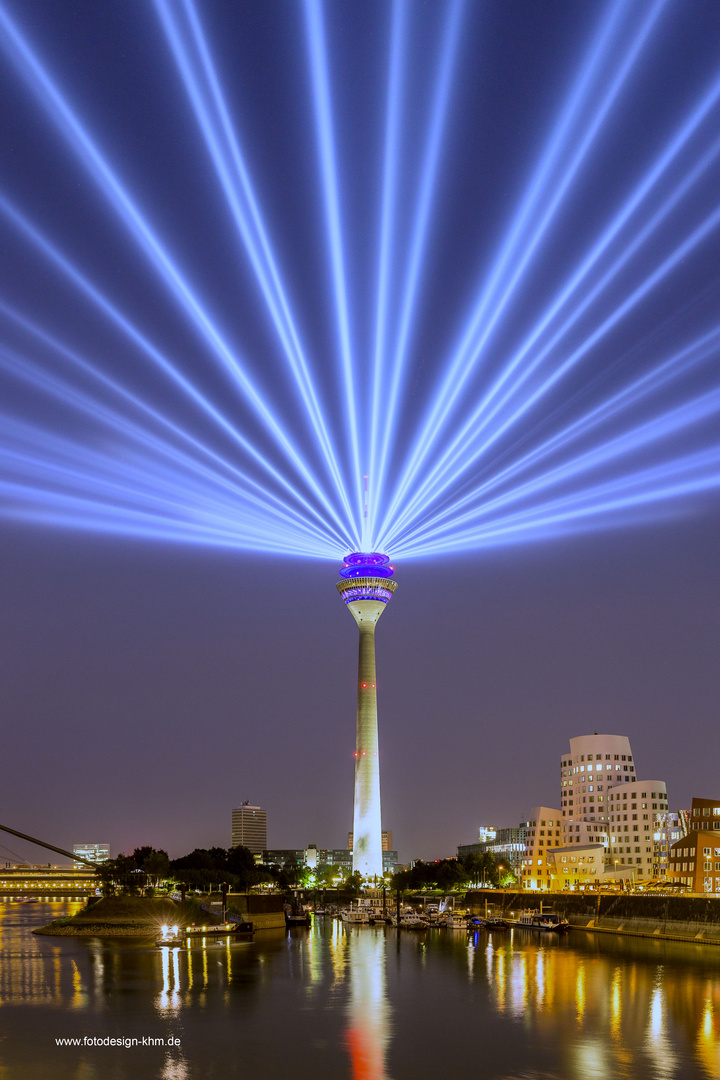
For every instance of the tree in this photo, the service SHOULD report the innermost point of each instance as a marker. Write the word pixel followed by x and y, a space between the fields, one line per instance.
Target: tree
pixel 153 862
pixel 353 882
pixel 157 866
pixel 241 862
pixel 122 873
pixel 198 859
pixel 481 868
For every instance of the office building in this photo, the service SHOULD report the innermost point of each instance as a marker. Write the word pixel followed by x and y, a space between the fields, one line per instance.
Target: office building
pixel 571 867
pixel 694 859
pixel 543 830
pixel 705 815
pixel 314 857
pixel 668 829
pixel 387 840
pixel 94 852
pixel 249 828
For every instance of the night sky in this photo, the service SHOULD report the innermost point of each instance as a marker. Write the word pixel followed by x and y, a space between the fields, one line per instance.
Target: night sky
pixel 158 667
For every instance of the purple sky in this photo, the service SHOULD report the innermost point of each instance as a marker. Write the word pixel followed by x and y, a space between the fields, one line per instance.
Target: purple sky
pixel 150 686
pixel 149 689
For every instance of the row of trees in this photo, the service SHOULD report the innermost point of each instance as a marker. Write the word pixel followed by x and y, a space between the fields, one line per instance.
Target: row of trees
pixel 448 874
pixel 148 866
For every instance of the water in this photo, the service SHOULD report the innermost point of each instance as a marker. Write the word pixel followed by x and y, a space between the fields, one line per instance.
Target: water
pixel 364 1004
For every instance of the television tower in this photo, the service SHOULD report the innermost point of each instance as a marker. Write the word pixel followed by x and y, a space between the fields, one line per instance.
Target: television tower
pixel 366 587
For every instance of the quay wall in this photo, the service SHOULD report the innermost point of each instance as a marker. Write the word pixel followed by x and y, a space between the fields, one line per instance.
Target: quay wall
pixel 681 918
pixel 264 910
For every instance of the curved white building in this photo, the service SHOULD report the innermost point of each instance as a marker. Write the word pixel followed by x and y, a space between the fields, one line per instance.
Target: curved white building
pixel 595 763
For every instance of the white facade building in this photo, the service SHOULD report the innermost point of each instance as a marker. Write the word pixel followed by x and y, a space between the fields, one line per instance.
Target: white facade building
pixel 249 828
pixel 632 809
pixel 595 763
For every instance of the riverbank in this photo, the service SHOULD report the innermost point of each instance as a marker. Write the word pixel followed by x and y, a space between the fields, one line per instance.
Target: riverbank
pixel 125 916
pixel 141 916
pixel 692 919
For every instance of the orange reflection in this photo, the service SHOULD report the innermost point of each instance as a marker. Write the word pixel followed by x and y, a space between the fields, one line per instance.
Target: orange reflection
pixel 368 1033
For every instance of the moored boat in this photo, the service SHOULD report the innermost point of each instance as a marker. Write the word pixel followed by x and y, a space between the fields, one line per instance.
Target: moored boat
pixel 543 920
pixel 495 922
pixel 456 920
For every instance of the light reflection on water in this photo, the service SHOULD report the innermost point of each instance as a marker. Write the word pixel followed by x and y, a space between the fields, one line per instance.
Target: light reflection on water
pixel 367 1003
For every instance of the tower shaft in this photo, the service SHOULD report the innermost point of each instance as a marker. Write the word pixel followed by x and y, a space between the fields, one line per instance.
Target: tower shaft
pixel 367 818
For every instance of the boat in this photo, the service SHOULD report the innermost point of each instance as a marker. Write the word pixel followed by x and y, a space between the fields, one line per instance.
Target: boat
pixel 456 920
pixel 495 922
pixel 409 920
pixel 365 911
pixel 179 936
pixel 543 920
pixel 295 915
pixel 476 922
pixel 303 919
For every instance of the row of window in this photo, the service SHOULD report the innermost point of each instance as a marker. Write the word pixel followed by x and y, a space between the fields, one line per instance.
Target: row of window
pixel 690 865
pixel 598 769
pixel 708 885
pixel 598 757
pixel 682 853
pixel 661 795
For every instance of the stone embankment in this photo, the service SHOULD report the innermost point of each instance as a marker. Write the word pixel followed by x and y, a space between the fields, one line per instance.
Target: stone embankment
pixel 664 918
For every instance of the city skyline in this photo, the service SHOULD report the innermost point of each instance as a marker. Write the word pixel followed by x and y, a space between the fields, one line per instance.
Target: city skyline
pixel 452 205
